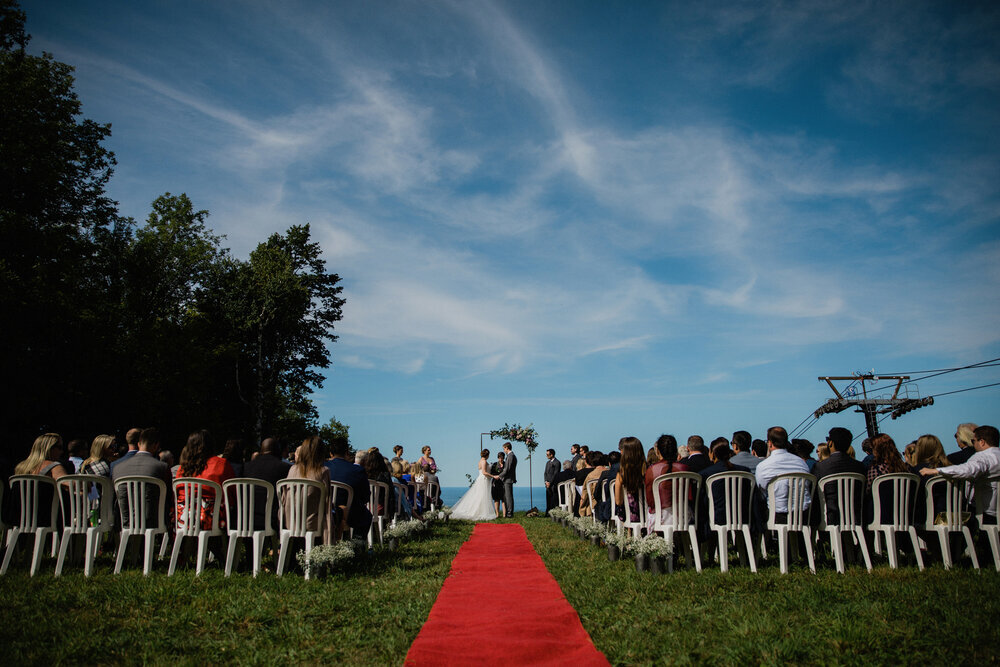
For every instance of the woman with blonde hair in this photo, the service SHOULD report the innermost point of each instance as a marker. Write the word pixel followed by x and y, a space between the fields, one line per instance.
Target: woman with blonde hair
pixel 99 461
pixel 43 459
pixel 928 452
pixel 309 458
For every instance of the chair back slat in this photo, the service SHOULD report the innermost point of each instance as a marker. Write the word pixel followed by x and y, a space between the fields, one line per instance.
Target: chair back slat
pixel 242 498
pixel 903 489
pixel 294 495
pixel 683 487
pixel 954 503
pixel 800 487
pixel 737 487
pixel 849 489
pixel 83 496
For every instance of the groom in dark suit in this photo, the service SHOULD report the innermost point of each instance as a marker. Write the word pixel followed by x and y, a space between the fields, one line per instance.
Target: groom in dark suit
pixel 509 477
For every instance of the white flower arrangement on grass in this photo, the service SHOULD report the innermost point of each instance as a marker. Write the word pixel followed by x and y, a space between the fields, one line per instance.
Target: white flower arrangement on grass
pixel 405 529
pixel 623 541
pixel 590 528
pixel 324 558
pixel 559 513
pixel 651 545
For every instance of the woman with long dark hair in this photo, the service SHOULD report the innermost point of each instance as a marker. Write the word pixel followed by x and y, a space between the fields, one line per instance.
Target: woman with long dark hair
pixel 664 453
pixel 629 483
pixel 197 461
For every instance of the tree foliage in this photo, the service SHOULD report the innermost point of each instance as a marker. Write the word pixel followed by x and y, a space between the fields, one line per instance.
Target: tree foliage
pixel 111 324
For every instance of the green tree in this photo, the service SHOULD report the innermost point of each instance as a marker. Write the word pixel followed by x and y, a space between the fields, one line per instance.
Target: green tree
pixel 54 219
pixel 286 311
pixel 334 428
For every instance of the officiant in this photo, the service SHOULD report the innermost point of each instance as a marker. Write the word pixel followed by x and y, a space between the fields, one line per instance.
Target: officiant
pixel 496 490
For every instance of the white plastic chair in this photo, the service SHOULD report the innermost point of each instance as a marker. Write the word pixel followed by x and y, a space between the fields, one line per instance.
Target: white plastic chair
pixel 337 489
pixel 377 491
pixel 635 524
pixel 619 524
pixel 850 489
pixel 954 504
pixel 800 488
pixel 992 530
pixel 738 489
pixel 400 492
pixel 242 500
pixel 431 492
pixel 77 507
pixel 29 489
pixel 683 512
pixel 295 496
pixel 136 492
pixel 904 493
pixel 189 511
pixel 567 494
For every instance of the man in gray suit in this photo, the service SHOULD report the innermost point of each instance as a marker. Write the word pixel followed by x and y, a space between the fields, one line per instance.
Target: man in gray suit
pixel 146 462
pixel 509 477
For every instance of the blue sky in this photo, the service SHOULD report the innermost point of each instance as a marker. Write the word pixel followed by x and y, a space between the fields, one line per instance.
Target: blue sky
pixel 605 219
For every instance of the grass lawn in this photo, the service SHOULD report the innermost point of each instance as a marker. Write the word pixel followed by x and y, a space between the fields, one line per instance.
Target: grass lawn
pixel 372 614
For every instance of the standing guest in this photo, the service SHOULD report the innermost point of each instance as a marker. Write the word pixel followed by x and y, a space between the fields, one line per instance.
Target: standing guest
pixel 197 461
pixel 397 454
pixel 982 465
pixel 778 462
pixel 77 449
pixel 426 459
pixel 551 470
pixel 574 451
pixel 359 519
pixel 630 484
pixel 146 462
pixel 963 438
pixel 235 455
pixel 310 464
pixel 697 458
pixel 741 442
pixel 664 461
pixel 267 467
pixel 99 461
pixel 132 441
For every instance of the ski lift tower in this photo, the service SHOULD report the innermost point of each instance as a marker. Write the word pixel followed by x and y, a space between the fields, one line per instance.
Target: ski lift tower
pixel 857 394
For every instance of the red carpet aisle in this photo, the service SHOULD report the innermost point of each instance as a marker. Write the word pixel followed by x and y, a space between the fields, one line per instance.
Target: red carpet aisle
pixel 500 606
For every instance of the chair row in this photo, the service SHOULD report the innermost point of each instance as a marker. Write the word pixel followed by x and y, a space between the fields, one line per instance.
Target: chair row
pixel 86 502
pixel 894 499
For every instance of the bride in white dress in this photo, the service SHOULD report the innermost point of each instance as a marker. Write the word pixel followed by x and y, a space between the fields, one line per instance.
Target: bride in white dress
pixel 477 503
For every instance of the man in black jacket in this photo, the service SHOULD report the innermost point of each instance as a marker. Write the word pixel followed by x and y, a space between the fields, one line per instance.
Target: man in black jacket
pixel 551 470
pixel 269 467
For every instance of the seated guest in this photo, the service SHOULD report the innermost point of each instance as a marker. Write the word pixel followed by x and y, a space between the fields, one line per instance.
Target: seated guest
pixel 982 465
pixel 197 461
pixel 722 461
pixel 741 442
pixel 664 457
pixel 309 464
pixel 838 441
pixel 567 473
pixel 779 461
pixel 804 449
pixel 598 463
pixel 132 443
pixel 822 453
pixel 167 457
pixel 44 458
pixel 885 460
pixel 602 492
pixel 583 468
pixel 963 438
pixel 629 484
pixel 146 462
pixel 697 458
pixel 268 467
pixel 759 449
pixel 99 461
pixel 235 455
pixel 377 471
pixel 928 452
pixel 76 449
pixel 359 519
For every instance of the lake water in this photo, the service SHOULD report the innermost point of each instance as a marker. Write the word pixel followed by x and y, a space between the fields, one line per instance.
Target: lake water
pixel 522 501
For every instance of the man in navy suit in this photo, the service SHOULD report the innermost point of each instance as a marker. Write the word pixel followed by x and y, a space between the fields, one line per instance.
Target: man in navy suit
pixel 509 477
pixel 342 470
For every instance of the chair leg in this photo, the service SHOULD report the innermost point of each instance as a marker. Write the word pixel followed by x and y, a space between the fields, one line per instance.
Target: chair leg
pixel 202 551
pixel 231 553
pixel 945 543
pixel 258 551
pixel 994 537
pixel 748 543
pixel 147 553
pixel 890 548
pixel 693 541
pixel 783 550
pixel 837 547
pixel 721 533
pixel 91 552
pixel 178 541
pixel 807 540
pixel 63 546
pixel 122 545
pixel 164 543
pixel 863 545
pixel 14 533
pixel 36 556
pixel 916 547
pixel 282 553
pixel 972 548
pixel 309 548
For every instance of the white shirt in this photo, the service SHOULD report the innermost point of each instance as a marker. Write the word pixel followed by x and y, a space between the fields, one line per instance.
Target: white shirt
pixel 779 462
pixel 978 468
